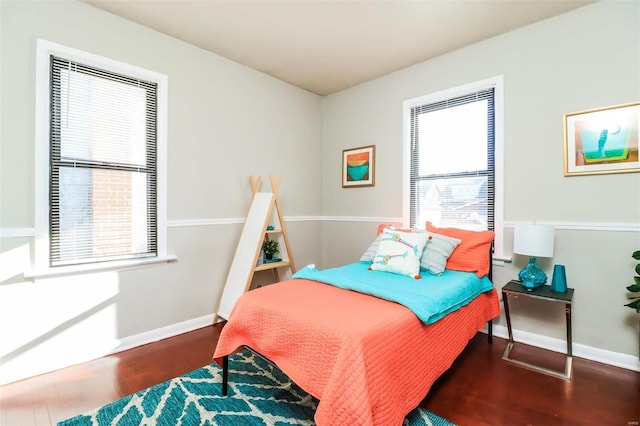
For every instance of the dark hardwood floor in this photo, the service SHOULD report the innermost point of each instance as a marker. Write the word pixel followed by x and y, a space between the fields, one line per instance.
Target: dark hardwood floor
pixel 479 388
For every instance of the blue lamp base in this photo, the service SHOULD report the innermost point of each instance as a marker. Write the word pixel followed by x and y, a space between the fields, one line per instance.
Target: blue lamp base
pixel 531 276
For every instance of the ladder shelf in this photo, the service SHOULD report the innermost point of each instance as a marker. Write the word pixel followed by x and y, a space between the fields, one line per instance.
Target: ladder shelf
pixel 264 210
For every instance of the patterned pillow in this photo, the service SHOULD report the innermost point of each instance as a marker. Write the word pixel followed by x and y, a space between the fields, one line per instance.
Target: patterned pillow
pixel 400 252
pixel 370 253
pixel 437 251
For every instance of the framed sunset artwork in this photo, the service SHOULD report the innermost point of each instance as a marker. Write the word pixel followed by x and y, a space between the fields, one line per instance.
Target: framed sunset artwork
pixel 358 166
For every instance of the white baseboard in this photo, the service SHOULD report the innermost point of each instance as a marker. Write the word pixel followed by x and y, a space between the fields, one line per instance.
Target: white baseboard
pixel 163 333
pixel 616 359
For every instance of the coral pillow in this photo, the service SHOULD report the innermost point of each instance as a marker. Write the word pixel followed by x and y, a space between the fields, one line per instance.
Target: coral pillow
pixel 472 255
pixel 384 226
pixel 400 252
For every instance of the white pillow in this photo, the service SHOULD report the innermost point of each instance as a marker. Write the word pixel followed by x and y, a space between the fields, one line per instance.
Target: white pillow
pixel 370 253
pixel 400 252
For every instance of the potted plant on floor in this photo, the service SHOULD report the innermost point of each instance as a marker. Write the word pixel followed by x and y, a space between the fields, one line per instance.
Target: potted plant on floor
pixel 270 248
pixel 634 293
pixel 634 289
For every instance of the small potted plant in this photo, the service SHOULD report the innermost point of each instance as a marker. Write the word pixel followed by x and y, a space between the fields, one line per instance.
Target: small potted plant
pixel 634 289
pixel 270 248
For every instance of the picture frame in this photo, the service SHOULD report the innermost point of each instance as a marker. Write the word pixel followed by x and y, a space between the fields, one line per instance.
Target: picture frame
pixel 602 140
pixel 359 167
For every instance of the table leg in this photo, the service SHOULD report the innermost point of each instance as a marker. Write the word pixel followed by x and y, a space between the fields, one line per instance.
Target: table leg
pixel 569 344
pixel 509 348
pixel 505 301
pixel 569 363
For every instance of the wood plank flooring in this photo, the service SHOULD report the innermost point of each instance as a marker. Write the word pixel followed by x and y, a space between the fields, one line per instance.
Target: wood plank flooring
pixel 479 389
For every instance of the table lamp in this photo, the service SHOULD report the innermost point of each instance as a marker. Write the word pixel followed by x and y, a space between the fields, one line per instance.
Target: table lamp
pixel 534 241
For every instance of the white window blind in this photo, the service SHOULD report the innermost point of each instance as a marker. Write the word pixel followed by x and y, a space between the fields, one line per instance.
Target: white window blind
pixel 452 165
pixel 103 175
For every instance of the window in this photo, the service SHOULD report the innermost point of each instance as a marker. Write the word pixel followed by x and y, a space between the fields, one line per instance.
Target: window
pixel 103 150
pixel 451 158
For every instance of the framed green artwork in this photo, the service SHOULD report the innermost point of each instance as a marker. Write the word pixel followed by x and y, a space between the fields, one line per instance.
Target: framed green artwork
pixel 602 140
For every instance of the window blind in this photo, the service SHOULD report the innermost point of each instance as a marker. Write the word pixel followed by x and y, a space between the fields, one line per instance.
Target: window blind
pixel 103 176
pixel 452 170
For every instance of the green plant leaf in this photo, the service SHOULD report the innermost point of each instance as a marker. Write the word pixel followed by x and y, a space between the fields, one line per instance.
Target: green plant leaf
pixel 634 289
pixel 634 305
pixel 271 247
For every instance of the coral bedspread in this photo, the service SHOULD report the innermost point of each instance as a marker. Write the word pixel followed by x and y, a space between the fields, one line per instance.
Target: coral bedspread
pixel 369 361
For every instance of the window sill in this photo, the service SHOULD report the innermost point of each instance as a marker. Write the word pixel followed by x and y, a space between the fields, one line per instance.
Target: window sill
pixel 122 265
pixel 501 260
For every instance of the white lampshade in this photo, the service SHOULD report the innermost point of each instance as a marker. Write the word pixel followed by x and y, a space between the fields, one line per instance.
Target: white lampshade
pixel 533 240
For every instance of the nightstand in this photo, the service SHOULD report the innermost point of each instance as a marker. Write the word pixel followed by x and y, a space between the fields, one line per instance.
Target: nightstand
pixel 514 289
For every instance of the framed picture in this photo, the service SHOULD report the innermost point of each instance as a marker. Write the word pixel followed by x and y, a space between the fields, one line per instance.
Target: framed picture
pixel 359 167
pixel 603 140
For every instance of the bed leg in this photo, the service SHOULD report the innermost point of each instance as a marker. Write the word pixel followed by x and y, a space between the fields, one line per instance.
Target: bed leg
pixel 225 374
pixel 490 331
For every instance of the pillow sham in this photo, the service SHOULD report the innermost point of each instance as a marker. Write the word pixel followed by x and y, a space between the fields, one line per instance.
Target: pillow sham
pixel 436 252
pixel 400 252
pixel 472 255
pixel 370 253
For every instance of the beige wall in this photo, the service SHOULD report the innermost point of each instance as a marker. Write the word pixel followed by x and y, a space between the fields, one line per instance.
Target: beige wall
pixel 584 59
pixel 225 122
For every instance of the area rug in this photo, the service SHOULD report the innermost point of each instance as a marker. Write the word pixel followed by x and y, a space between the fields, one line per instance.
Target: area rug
pixel 259 394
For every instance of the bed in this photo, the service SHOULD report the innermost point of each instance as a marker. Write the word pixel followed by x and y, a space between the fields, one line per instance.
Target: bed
pixel 369 359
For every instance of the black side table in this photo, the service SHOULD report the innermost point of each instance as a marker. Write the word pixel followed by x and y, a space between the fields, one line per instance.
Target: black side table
pixel 515 289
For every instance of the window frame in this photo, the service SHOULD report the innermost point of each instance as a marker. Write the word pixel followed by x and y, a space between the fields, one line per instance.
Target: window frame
pixel 497 83
pixel 41 264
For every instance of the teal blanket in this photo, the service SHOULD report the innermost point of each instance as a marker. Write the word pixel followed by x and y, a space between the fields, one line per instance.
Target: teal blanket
pixel 430 298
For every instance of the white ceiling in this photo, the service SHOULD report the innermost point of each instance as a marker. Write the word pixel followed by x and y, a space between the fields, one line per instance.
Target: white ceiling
pixel 325 46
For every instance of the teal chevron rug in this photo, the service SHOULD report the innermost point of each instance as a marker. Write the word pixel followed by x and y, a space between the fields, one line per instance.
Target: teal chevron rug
pixel 259 394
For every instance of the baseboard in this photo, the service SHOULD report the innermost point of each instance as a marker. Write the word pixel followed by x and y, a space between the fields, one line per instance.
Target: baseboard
pixel 615 359
pixel 163 333
pixel 603 356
